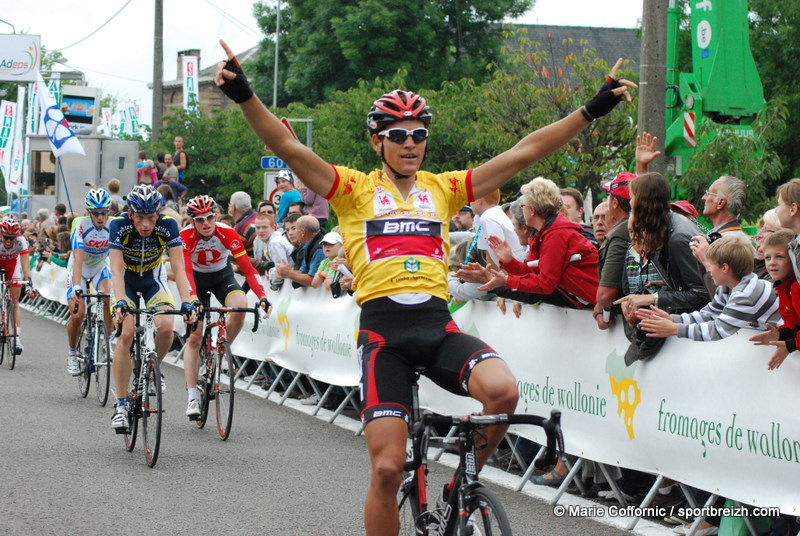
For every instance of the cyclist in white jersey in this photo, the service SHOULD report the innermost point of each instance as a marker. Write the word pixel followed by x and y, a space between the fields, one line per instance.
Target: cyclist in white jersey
pixel 87 264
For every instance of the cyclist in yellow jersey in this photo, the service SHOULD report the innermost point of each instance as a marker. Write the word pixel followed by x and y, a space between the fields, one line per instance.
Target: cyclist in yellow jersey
pixel 394 223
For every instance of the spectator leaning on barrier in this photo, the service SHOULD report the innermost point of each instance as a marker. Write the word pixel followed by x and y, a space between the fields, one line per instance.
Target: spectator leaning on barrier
pixel 490 220
pixel 241 208
pixel 561 266
pixel 779 264
pixel 742 300
pixel 661 237
pixel 269 249
pixel 331 244
pixel 309 253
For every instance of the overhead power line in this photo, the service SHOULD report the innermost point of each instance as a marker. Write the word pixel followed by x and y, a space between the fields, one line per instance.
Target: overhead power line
pixel 97 30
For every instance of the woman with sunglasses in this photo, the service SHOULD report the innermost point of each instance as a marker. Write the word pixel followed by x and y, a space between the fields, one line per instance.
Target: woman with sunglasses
pixel 15 261
pixel 395 224
pixel 207 246
pixel 87 264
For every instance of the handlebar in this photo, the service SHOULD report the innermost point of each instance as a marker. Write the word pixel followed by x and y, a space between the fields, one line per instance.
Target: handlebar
pixel 551 427
pixel 151 312
pixel 254 310
pixel 80 294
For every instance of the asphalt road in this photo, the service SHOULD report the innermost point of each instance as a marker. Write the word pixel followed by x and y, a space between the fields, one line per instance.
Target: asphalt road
pixel 64 471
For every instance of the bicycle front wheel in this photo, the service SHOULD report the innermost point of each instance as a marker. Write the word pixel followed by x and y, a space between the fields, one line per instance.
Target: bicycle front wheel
pixel 11 336
pixel 409 509
pixel 102 362
pixel 85 349
pixel 223 390
pixel 204 382
pixel 151 409
pixel 485 514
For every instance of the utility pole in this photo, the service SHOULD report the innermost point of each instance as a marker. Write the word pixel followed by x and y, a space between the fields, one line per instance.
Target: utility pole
pixel 652 74
pixel 277 42
pixel 158 70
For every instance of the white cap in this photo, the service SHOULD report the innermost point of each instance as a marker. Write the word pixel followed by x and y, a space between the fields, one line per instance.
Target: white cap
pixel 332 238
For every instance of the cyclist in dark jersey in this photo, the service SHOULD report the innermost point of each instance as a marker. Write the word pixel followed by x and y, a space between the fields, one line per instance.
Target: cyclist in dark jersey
pixel 395 225
pixel 137 243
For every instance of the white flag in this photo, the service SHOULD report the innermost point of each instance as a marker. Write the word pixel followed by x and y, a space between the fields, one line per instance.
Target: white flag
pixel 108 117
pixel 62 139
pixel 8 113
pixel 18 155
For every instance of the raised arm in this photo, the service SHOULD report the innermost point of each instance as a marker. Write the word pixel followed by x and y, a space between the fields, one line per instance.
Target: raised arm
pixel 540 143
pixel 315 173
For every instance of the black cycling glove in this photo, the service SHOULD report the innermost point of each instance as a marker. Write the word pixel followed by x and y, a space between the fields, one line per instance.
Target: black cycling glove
pixel 264 304
pixel 238 89
pixel 603 102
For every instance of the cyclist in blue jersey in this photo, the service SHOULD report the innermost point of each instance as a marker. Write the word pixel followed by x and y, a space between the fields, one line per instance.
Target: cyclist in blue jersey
pixel 137 242
pixel 87 264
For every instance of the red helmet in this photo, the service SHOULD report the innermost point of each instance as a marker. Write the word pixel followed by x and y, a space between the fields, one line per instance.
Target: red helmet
pixel 397 105
pixel 200 205
pixel 9 227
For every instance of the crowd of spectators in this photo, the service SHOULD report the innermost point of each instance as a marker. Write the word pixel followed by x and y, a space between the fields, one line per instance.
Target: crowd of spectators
pixel 639 259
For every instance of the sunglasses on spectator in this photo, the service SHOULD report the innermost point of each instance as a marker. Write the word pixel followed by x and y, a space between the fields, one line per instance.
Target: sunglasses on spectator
pixel 400 135
pixel 207 217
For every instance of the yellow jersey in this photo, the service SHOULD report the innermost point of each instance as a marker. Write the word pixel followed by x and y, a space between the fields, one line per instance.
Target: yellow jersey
pixel 396 245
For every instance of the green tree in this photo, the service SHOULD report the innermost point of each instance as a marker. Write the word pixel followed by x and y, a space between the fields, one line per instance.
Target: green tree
pixel 751 159
pixel 328 45
pixel 774 37
pixel 537 89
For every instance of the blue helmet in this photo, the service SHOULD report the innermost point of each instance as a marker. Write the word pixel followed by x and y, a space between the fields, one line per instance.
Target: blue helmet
pixel 144 199
pixel 97 199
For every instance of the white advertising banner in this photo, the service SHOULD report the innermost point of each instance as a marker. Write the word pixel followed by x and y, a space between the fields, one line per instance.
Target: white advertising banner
pixel 21 57
pixel 191 98
pixel 8 114
pixel 708 414
pixel 18 152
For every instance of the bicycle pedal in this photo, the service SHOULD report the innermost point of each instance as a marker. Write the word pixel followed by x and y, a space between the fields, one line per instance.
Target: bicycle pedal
pixel 194 417
pixel 121 431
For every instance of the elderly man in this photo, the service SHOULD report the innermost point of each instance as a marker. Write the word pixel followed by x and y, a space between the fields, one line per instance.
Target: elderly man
pixel 612 252
pixel 722 204
pixel 241 208
pixel 308 237
pixel 599 222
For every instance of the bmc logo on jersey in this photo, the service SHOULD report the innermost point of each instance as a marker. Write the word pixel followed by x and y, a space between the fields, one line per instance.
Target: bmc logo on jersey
pixel 393 237
pixel 404 226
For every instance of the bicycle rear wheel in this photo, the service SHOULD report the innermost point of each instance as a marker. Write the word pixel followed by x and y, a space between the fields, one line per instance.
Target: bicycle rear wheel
pixel 409 508
pixel 85 349
pixel 151 409
pixel 486 515
pixel 223 391
pixel 102 362
pixel 11 336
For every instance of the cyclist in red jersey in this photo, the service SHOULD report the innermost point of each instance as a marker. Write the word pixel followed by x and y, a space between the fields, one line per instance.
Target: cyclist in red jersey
pixel 395 225
pixel 15 262
pixel 207 245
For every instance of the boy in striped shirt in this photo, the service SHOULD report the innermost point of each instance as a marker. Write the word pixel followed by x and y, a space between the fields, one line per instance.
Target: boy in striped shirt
pixel 740 301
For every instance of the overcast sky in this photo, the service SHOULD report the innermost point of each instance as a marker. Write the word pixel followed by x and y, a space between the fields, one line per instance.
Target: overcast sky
pixel 118 57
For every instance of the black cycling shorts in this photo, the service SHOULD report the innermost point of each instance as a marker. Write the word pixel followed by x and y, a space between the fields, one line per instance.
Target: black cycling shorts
pixel 220 283
pixel 394 339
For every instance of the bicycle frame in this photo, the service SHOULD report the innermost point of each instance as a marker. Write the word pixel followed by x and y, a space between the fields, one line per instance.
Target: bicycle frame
pixel 441 519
